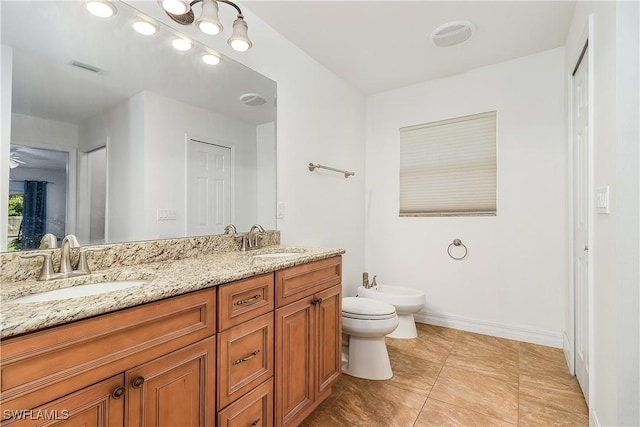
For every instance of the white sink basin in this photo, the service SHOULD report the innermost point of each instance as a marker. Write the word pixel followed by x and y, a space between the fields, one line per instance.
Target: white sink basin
pixel 276 255
pixel 78 291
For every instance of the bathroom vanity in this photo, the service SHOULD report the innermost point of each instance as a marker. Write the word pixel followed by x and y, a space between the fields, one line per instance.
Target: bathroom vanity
pixel 228 339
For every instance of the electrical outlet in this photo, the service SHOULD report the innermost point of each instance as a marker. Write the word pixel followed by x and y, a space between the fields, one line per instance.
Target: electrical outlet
pixel 602 200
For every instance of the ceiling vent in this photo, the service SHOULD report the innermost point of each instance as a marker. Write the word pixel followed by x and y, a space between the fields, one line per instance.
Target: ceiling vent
pixel 452 33
pixel 253 99
pixel 86 67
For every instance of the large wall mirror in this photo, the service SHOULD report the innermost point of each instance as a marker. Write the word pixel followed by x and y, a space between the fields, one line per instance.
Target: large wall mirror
pixel 117 136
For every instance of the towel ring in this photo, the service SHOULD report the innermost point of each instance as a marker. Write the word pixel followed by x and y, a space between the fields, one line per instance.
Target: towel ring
pixel 458 242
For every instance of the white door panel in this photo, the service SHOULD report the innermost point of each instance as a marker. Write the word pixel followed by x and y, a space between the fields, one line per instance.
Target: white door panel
pixel 208 188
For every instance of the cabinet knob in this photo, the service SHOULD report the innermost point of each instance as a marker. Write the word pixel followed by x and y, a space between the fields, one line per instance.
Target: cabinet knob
pixel 118 392
pixel 137 382
pixel 315 301
pixel 255 422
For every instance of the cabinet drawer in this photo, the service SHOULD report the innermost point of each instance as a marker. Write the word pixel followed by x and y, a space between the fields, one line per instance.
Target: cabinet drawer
pixel 299 282
pixel 41 366
pixel 244 300
pixel 255 409
pixel 245 358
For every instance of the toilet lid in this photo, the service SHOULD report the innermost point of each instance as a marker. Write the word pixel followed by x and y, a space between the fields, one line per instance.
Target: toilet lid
pixel 367 309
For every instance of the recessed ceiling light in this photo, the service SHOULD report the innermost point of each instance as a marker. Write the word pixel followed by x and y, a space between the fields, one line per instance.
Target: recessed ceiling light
pixel 211 58
pixel 145 27
pixel 253 99
pixel 452 33
pixel 181 44
pixel 101 8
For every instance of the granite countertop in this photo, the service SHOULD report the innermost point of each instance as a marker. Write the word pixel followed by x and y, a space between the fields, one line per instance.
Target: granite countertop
pixel 162 280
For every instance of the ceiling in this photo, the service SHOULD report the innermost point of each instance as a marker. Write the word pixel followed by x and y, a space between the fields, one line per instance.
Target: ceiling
pixel 382 45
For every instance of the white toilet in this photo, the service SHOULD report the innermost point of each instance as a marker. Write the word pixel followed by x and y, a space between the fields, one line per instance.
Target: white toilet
pixel 365 322
pixel 406 301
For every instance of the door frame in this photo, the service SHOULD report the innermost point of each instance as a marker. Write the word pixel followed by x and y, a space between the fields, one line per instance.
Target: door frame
pixel 81 167
pixel 232 199
pixel 586 40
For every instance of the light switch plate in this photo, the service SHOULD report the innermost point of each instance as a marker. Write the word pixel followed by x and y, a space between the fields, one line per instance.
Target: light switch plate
pixel 280 213
pixel 602 200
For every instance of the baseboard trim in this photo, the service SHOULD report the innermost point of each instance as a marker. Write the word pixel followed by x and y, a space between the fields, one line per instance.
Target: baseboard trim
pixel 567 347
pixel 509 331
pixel 593 419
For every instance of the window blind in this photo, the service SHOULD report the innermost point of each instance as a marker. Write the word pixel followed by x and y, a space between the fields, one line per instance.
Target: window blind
pixel 449 167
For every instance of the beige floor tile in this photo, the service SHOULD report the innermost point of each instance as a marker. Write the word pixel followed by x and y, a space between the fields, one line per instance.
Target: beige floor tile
pixel 478 392
pixel 436 413
pixel 536 359
pixel 433 344
pixel 369 404
pixel 553 391
pixel 413 374
pixel 534 414
pixel 493 356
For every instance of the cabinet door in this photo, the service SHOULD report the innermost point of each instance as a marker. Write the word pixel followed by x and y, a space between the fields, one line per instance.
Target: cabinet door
pixel 94 406
pixel 254 409
pixel 329 339
pixel 174 390
pixel 295 347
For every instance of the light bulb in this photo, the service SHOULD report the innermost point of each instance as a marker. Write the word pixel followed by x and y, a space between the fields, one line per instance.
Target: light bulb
pixel 181 44
pixel 176 7
pixel 239 39
pixel 208 22
pixel 145 27
pixel 211 59
pixel 100 8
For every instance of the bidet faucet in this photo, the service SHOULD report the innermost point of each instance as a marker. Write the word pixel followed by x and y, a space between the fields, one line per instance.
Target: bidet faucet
pixel 365 281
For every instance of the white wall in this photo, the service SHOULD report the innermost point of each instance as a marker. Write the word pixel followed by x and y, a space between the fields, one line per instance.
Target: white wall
pixel 266 174
pixel 166 123
pixel 123 128
pixel 614 341
pixel 320 119
pixel 512 282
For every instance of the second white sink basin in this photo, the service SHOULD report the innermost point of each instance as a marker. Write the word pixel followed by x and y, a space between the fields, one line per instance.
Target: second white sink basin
pixel 276 254
pixel 78 291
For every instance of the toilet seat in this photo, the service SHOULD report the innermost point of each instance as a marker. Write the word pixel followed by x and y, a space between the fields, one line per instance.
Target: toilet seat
pixel 367 309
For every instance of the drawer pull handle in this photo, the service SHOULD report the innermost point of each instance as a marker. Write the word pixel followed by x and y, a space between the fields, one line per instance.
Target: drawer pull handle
pixel 118 392
pixel 248 300
pixel 255 422
pixel 244 359
pixel 137 382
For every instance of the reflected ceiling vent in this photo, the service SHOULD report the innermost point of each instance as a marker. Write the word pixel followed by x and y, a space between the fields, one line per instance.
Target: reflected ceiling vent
pixel 253 99
pixel 87 67
pixel 452 33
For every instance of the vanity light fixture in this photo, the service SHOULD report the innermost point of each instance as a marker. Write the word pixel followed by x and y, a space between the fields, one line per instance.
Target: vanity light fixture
pixel 101 8
pixel 211 58
pixel 181 44
pixel 181 11
pixel 145 27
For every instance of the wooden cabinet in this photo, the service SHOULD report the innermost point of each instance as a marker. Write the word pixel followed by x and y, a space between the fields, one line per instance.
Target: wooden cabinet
pixel 52 365
pixel 162 363
pixel 174 390
pixel 308 338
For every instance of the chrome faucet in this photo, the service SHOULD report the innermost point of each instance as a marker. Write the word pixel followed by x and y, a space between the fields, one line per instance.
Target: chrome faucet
pixel 252 235
pixel 69 241
pixel 230 229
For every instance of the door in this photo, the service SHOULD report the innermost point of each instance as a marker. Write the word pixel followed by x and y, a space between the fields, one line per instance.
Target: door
pixel 295 388
pixel 92 196
pixel 208 188
pixel 329 344
pixel 581 191
pixel 174 390
pixel 100 405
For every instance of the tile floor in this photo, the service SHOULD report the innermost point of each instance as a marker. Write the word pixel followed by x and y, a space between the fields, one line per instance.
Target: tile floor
pixel 447 377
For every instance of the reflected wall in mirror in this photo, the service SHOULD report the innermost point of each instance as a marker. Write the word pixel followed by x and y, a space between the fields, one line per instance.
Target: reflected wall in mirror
pixel 155 142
